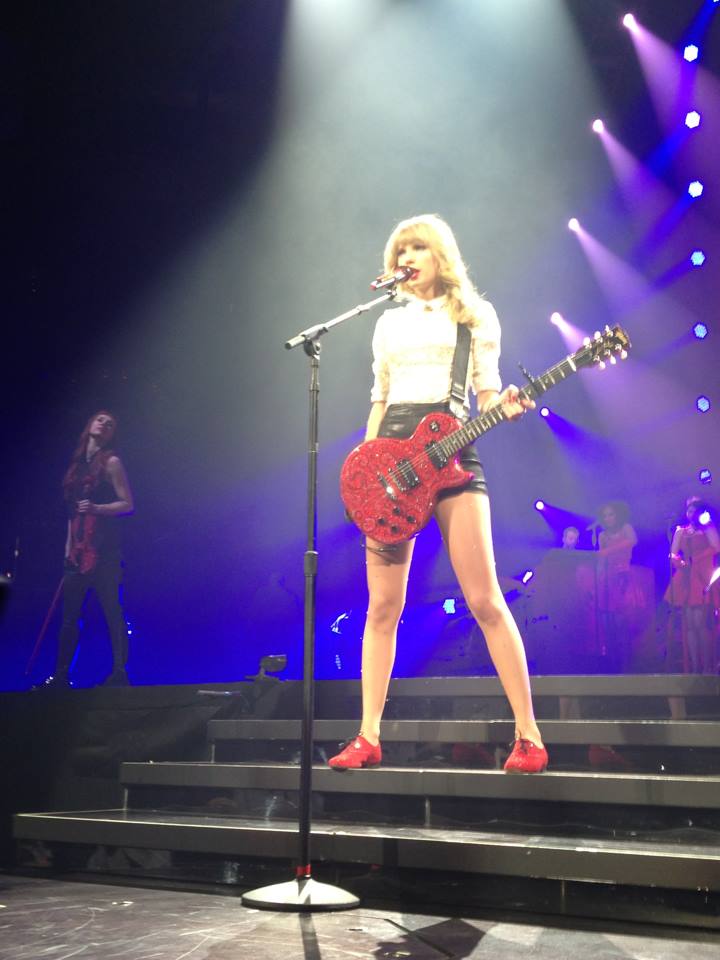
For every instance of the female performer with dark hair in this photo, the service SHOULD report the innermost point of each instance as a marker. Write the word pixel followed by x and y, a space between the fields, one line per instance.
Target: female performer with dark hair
pixel 413 350
pixel 97 492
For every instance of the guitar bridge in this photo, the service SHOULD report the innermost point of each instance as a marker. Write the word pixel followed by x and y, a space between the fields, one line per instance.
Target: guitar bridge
pixel 387 487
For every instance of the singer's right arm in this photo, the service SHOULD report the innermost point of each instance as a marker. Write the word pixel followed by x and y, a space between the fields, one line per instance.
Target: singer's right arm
pixel 377 412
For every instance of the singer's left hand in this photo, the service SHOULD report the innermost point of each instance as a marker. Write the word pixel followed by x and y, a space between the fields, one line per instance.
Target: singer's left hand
pixel 514 405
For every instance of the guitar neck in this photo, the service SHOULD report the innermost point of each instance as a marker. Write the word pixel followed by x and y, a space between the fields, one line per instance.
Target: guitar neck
pixel 495 415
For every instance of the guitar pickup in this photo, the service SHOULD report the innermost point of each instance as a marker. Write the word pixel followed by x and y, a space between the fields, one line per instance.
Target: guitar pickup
pixel 406 476
pixel 436 456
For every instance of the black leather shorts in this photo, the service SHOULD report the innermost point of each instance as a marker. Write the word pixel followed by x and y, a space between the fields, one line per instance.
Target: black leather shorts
pixel 401 420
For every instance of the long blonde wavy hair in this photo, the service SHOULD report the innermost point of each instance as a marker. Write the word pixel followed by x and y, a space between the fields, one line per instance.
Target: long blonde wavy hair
pixel 463 300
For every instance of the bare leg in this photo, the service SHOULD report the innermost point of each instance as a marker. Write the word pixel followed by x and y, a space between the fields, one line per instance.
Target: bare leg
pixel 387 577
pixel 464 521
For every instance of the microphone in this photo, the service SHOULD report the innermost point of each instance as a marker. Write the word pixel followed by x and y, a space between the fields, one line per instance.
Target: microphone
pixel 390 279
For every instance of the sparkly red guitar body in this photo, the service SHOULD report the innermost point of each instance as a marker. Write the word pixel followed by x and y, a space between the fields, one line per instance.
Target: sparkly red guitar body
pixel 390 487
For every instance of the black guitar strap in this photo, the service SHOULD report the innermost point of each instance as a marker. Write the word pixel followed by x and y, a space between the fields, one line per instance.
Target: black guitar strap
pixel 458 378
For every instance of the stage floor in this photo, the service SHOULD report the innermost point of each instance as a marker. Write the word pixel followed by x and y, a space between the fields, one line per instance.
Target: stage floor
pixel 42 918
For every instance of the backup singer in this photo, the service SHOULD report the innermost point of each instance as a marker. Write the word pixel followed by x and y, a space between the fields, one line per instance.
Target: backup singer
pixel 413 351
pixel 97 492
pixel 693 551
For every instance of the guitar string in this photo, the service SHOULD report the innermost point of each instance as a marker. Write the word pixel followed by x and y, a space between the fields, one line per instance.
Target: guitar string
pixel 494 414
pixel 574 362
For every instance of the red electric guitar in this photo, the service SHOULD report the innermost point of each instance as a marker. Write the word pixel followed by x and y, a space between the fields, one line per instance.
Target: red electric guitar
pixel 390 487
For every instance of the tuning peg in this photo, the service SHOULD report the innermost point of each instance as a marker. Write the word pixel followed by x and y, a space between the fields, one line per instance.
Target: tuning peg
pixel 601 364
pixel 623 354
pixel 586 341
pixel 596 335
pixel 613 358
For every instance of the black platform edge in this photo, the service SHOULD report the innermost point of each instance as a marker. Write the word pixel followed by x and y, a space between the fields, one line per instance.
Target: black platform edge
pixel 646 733
pixel 636 864
pixel 607 788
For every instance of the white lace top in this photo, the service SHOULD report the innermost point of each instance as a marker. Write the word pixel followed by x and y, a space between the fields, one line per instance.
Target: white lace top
pixel 413 347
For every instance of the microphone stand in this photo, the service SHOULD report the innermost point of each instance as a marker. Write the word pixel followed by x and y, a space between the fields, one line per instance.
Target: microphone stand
pixel 304 893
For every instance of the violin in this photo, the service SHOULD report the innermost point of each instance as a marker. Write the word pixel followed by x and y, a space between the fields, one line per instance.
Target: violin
pixel 83 534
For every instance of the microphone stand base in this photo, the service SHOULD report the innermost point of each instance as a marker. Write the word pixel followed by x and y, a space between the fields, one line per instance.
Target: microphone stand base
pixel 302 895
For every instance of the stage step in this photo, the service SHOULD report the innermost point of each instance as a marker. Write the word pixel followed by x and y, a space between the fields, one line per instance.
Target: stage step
pixel 640 733
pixel 678 865
pixel 570 685
pixel 568 787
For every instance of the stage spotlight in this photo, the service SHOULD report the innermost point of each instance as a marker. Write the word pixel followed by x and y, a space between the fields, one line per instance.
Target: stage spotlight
pixel 556 318
pixel 544 411
pixel 598 126
pixel 700 330
pixel 527 576
pixel 630 22
pixel 702 403
pixel 691 53
pixel 697 258
pixel 705 475
pixel 449 605
pixel 695 189
pixel 692 119
pixel 704 519
pixel 540 505
pixel 574 224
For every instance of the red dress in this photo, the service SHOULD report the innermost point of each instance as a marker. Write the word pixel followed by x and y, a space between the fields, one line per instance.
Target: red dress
pixel 688 583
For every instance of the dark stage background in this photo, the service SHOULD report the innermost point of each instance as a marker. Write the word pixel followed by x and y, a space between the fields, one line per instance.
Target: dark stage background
pixel 188 184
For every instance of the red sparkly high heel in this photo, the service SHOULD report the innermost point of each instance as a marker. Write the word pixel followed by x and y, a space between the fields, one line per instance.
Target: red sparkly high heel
pixel 526 758
pixel 356 754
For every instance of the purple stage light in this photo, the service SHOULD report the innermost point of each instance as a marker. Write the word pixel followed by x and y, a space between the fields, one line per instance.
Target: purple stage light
pixel 702 403
pixel 574 224
pixel 540 505
pixel 691 53
pixel 630 22
pixel 697 258
pixel 700 330
pixel 695 189
pixel 692 119
pixel 598 126
pixel 705 475
pixel 544 411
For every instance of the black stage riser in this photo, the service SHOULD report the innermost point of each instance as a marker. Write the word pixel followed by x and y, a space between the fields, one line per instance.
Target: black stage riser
pixel 600 861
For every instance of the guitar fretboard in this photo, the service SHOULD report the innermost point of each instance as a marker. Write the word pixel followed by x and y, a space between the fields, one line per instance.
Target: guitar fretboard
pixel 479 425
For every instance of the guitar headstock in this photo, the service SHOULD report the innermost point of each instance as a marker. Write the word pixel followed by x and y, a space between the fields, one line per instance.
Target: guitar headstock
pixel 603 348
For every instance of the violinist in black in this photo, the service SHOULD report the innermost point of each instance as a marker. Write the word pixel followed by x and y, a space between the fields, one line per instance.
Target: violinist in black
pixel 97 493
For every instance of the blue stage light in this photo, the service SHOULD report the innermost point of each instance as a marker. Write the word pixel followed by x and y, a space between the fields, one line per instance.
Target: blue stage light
pixel 697 258
pixel 449 605
pixel 544 411
pixel 705 475
pixel 691 52
pixel 695 189
pixel 702 403
pixel 539 504
pixel 700 330
pixel 692 119
pixel 527 576
pixel 704 519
